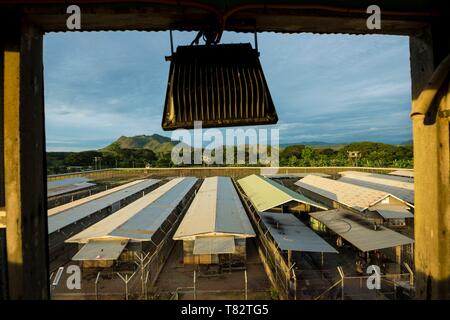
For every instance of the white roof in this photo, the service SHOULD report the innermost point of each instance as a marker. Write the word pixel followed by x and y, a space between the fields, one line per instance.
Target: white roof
pixel 350 195
pixel 358 231
pixel 65 215
pixel 401 189
pixel 266 194
pixel 142 218
pixel 291 234
pixel 215 210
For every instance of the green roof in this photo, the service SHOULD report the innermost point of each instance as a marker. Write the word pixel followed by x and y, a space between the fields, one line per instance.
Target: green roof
pixel 266 194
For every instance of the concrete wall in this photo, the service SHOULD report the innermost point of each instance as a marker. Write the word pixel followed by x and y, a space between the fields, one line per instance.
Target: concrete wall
pixel 209 171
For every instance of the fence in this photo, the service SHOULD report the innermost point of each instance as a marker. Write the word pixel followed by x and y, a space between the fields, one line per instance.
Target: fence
pixel 281 276
pixel 390 286
pixel 138 283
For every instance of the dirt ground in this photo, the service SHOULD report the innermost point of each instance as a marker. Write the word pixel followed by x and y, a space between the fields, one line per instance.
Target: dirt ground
pixel 226 285
pixel 229 286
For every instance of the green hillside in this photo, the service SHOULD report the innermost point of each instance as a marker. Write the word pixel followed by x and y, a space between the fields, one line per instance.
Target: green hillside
pixel 156 143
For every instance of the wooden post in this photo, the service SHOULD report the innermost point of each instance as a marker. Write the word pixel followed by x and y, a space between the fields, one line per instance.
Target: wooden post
pixel 431 168
pixel 246 284
pixel 195 285
pixel 24 155
pixel 289 259
pixel 3 257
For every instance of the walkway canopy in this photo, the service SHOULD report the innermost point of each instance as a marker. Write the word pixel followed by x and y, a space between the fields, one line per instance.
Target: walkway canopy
pixel 359 232
pixel 291 234
pixel 266 194
pixel 392 211
pixel 215 211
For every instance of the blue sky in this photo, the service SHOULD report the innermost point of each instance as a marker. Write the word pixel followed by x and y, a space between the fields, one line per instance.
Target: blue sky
pixel 331 88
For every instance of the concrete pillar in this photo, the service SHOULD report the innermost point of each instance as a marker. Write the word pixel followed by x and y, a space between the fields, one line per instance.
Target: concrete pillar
pixel 24 155
pixel 431 169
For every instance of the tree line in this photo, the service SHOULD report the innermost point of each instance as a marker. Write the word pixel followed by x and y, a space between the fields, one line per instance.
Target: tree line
pixel 371 154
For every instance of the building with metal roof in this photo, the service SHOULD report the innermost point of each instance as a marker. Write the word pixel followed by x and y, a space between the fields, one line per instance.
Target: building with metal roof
pixel 266 194
pixel 216 225
pixel 59 219
pixel 338 194
pixel 402 189
pixel 290 234
pixel 64 186
pixel 139 226
pixel 359 232
pixel 71 218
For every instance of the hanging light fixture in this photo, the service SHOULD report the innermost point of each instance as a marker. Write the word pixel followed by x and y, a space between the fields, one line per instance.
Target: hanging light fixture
pixel 219 84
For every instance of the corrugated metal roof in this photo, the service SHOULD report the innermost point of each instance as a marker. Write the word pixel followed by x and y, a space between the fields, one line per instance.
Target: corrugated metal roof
pixel 141 219
pixel 391 211
pixel 96 196
pixel 220 85
pixel 400 189
pixel 216 209
pixel 64 218
pixel 65 182
pixel 360 232
pixel 266 194
pixel 350 195
pixel 403 173
pixel 101 250
pixel 214 245
pixel 56 191
pixel 291 234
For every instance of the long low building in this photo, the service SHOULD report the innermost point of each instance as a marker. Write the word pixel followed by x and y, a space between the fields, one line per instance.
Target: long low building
pixel 63 186
pixel 215 227
pixel 362 235
pixel 337 194
pixel 266 194
pixel 139 227
pixel 402 189
pixel 71 218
